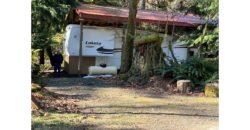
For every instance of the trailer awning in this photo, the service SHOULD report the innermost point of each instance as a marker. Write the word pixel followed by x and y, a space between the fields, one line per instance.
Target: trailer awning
pixel 120 15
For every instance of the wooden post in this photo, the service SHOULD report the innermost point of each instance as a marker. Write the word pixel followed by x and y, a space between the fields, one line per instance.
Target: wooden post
pixel 80 48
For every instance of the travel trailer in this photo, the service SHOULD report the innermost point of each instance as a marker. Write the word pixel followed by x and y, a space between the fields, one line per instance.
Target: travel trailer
pixel 102 45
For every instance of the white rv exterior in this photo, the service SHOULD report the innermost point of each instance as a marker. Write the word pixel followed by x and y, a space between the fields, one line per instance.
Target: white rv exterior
pixel 105 43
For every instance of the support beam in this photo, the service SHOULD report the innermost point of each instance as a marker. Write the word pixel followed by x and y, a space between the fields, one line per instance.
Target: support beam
pixel 80 48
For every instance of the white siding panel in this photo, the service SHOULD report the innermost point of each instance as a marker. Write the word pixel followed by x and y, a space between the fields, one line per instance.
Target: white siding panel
pixel 74 41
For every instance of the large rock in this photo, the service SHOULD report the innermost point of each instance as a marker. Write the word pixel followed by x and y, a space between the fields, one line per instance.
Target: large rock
pixel 212 90
pixel 184 86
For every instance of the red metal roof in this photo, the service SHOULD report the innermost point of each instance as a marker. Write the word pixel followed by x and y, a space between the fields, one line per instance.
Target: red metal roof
pixel 105 13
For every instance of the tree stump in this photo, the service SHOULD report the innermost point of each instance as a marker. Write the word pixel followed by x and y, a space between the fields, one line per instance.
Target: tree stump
pixel 147 57
pixel 212 90
pixel 184 86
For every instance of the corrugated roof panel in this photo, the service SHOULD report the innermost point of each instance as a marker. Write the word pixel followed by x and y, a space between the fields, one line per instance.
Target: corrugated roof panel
pixel 105 13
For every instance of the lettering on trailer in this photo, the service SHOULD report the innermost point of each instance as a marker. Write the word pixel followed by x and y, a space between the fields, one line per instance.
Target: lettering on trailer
pixel 101 50
pixel 93 43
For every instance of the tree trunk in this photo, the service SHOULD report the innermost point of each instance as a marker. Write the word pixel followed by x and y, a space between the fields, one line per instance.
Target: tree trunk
pixel 203 34
pixel 170 44
pixel 50 54
pixel 143 4
pixel 41 55
pixel 170 47
pixel 127 50
pixel 80 50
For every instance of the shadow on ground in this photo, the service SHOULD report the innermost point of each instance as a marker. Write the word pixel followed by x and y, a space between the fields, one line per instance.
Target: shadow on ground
pixel 148 113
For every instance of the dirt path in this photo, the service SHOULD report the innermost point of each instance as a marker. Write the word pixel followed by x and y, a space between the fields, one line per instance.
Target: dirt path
pixel 109 106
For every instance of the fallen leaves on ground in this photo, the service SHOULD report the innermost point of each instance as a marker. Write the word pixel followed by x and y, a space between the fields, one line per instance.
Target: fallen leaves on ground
pixel 50 101
pixel 156 84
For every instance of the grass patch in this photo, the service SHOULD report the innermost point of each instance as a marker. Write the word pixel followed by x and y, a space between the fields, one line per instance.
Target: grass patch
pixel 35 88
pixel 56 121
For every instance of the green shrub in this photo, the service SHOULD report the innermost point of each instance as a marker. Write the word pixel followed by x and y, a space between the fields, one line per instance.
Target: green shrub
pixel 35 69
pixel 213 78
pixel 198 70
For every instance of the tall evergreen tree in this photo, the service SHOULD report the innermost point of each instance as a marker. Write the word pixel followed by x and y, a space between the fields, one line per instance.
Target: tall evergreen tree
pixel 127 49
pixel 47 20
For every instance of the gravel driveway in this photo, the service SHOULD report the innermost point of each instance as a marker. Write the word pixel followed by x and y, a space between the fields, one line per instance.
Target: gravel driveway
pixel 111 106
